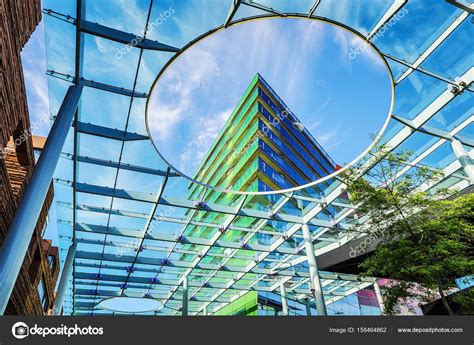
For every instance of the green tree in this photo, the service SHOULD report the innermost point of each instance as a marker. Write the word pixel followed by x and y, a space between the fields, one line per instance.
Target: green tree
pixel 424 238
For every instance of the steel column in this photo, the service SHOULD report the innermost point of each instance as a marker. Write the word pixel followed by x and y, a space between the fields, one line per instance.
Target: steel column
pixel 284 302
pixel 313 271
pixel 463 158
pixel 15 246
pixel 63 282
pixel 184 309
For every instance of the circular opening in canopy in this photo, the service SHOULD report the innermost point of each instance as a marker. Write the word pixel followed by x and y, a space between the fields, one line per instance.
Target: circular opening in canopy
pixel 131 304
pixel 270 105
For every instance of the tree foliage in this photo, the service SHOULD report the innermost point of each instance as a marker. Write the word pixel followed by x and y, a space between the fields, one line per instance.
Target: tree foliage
pixel 425 238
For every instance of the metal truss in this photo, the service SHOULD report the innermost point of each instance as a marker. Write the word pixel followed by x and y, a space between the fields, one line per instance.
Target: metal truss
pixel 269 265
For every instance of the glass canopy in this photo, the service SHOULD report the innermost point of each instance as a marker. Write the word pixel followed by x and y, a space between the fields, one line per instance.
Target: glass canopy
pixel 138 232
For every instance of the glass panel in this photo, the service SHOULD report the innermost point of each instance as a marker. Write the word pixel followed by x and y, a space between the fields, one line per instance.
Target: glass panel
pixel 178 22
pixel 412 34
pixel 452 59
pixel 111 231
pixel 360 15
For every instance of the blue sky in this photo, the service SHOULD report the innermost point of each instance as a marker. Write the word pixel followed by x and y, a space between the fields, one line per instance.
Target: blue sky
pixel 308 63
pixel 33 59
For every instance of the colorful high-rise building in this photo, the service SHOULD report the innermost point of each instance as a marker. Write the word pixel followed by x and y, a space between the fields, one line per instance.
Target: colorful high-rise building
pixel 262 147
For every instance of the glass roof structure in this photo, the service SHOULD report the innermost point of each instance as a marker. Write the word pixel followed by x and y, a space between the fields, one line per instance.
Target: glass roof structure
pixel 129 212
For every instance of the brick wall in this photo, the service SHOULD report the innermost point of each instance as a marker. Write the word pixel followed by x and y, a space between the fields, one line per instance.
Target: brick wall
pixel 18 19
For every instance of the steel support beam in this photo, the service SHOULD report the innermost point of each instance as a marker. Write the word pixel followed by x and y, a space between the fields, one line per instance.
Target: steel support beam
pixel 463 158
pixel 85 294
pixel 214 240
pixel 396 6
pixel 146 283
pixel 109 133
pixel 313 8
pixel 95 29
pixel 458 3
pixel 347 292
pixel 156 267
pixel 123 37
pixel 232 11
pixel 419 69
pixel 148 222
pixel 178 220
pixel 313 271
pixel 258 6
pixel 133 233
pixel 123 166
pixel 96 85
pixel 78 74
pixel 181 220
pixel 190 204
pixel 17 240
pixel 115 89
pixel 64 280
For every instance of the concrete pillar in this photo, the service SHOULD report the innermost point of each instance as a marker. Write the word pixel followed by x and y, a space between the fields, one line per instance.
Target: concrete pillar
pixel 313 272
pixel 15 245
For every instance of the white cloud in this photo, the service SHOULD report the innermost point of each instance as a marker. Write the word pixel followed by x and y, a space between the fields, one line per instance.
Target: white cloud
pixel 334 139
pixel 315 124
pixel 318 110
pixel 34 71
pixel 345 42
pixel 207 130
pixel 171 101
pixel 132 17
pixel 37 85
pixel 214 73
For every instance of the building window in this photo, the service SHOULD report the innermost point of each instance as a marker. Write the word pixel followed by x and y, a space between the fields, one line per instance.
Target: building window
pixel 46 223
pixel 51 262
pixel 42 294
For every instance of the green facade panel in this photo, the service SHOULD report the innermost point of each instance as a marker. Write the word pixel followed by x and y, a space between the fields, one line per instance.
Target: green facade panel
pixel 245 305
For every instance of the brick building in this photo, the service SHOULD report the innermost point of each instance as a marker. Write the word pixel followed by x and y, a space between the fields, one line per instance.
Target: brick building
pixel 33 293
